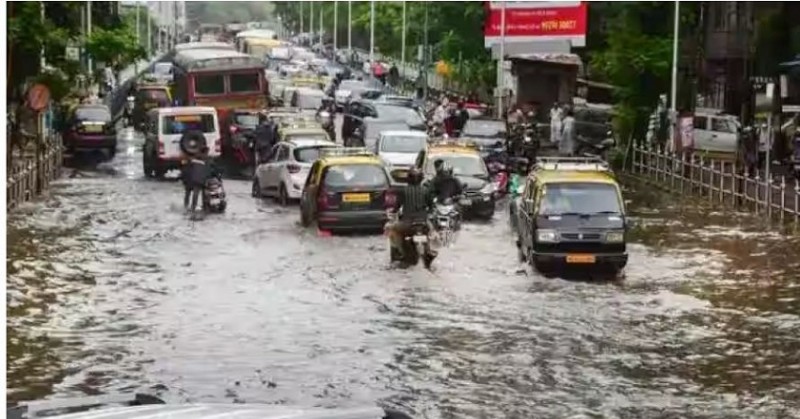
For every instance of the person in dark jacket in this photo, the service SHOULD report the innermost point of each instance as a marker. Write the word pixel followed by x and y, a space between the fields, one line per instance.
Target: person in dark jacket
pixel 444 185
pixel 462 116
pixel 196 172
pixel 265 137
pixel 416 202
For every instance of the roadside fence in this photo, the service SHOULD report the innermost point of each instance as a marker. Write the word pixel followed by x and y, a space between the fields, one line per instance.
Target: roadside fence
pixel 721 182
pixel 28 176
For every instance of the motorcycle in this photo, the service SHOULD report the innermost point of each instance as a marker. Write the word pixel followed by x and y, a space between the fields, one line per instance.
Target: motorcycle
pixel 214 196
pixel 499 173
pixel 129 106
pixel 414 245
pixel 446 219
pixel 601 149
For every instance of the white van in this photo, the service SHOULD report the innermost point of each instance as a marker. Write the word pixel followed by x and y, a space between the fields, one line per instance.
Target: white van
pixel 715 132
pixel 164 129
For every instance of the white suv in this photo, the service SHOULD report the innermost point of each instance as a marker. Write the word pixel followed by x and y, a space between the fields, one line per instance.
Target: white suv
pixel 283 175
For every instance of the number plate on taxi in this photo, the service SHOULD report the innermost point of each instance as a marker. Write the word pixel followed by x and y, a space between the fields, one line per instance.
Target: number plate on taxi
pixel 580 258
pixel 93 128
pixel 356 197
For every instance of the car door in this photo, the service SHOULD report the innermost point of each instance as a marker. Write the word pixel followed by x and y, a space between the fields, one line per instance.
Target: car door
pixel 308 198
pixel 277 169
pixel 265 169
pixel 702 134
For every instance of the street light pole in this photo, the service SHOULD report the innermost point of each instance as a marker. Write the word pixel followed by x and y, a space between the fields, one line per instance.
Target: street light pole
pixel 321 26
pixel 500 62
pixel 138 37
pixel 89 32
pixel 371 32
pixel 425 55
pixel 335 24
pixel 349 26
pixel 403 47
pixel 674 92
pixel 301 17
pixel 311 23
pixel 149 34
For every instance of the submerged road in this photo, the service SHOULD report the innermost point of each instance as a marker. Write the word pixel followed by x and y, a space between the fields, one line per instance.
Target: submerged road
pixel 112 289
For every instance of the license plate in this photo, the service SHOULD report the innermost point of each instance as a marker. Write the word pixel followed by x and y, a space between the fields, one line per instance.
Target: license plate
pixel 420 239
pixel 356 197
pixel 215 201
pixel 93 128
pixel 580 259
pixel 465 202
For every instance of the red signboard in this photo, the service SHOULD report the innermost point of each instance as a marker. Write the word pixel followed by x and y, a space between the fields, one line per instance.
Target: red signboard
pixel 562 21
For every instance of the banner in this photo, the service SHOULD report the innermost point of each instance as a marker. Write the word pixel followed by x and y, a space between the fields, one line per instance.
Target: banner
pixel 565 21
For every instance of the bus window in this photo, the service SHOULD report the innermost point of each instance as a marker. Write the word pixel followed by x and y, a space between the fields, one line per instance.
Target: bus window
pixel 244 83
pixel 209 84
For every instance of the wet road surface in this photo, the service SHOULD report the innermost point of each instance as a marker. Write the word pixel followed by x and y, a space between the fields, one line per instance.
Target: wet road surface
pixel 111 288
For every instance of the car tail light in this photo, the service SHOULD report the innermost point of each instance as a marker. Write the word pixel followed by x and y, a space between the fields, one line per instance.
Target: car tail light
pixel 160 147
pixel 322 200
pixel 389 199
pixel 293 168
pixel 233 129
pixel 217 145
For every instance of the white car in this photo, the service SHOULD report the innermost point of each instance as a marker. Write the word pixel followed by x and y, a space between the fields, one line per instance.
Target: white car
pixel 284 174
pixel 399 149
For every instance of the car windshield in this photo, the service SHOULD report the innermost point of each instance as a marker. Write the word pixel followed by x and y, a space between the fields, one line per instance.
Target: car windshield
pixel 581 198
pixel 463 164
pixel 178 124
pixel 310 136
pixel 93 114
pixel 484 128
pixel 399 113
pixel 247 120
pixel 403 144
pixel 355 175
pixel 309 154
pixel 308 101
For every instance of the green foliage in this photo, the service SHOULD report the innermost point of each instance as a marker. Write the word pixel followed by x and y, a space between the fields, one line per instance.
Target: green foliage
pixel 115 46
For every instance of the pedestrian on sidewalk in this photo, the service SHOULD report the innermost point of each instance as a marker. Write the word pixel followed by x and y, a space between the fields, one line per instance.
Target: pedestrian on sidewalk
pixel 567 145
pixel 556 116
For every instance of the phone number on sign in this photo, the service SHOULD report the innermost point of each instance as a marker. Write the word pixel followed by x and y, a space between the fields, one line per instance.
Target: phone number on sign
pixel 554 25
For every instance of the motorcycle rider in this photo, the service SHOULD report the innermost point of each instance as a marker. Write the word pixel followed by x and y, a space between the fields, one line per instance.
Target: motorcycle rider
pixel 444 184
pixel 329 106
pixel 196 172
pixel 417 202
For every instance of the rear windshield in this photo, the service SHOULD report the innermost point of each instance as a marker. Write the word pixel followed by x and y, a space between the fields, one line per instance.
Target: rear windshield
pixel 154 95
pixel 582 198
pixel 178 124
pixel 317 137
pixel 308 154
pixel 244 83
pixel 403 144
pixel 246 119
pixel 355 175
pixel 93 114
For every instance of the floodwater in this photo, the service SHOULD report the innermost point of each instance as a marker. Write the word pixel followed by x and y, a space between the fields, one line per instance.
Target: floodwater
pixel 112 289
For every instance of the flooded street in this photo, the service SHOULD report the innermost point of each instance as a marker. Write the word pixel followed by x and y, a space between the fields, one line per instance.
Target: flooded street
pixel 111 289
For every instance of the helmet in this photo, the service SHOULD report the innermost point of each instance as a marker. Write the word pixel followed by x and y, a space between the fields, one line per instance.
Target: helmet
pixel 447 169
pixel 437 165
pixel 414 177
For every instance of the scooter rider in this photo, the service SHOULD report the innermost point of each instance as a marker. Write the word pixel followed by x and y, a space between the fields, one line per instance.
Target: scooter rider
pixel 416 202
pixel 444 185
pixel 196 172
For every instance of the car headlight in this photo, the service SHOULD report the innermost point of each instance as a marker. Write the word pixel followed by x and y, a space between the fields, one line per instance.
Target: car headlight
pixel 488 189
pixel 547 236
pixel 615 237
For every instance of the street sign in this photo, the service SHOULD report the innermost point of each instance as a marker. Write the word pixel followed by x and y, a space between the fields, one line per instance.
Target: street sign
pixel 38 97
pixel 790 108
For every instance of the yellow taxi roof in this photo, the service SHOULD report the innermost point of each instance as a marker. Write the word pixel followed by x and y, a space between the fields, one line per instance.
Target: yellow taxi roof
pixel 332 160
pixel 564 176
pixel 304 130
pixel 448 149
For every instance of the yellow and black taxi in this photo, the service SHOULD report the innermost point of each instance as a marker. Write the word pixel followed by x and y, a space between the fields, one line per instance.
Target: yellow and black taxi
pixel 572 214
pixel 470 169
pixel 303 132
pixel 347 189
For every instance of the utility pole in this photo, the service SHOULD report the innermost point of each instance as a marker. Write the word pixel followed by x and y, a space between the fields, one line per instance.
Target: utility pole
pixel 321 26
pixel 371 32
pixel 149 33
pixel 349 26
pixel 403 47
pixel 42 61
pixel 674 90
pixel 301 17
pixel 89 33
pixel 425 55
pixel 501 63
pixel 335 25
pixel 311 24
pixel 138 37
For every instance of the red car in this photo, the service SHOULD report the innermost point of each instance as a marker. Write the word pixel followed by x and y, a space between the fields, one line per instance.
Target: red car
pixel 90 127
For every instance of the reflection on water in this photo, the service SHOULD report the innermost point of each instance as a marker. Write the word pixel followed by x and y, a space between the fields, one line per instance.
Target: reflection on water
pixel 111 289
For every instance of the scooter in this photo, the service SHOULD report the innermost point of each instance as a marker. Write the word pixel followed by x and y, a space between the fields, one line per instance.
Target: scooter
pixel 499 174
pixel 214 196
pixel 446 219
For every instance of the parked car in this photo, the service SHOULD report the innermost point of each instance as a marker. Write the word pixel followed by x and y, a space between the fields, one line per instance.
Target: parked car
pixel 715 132
pixel 90 127
pixel 283 175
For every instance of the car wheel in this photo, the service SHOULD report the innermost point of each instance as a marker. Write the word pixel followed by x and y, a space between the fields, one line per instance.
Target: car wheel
pixel 112 152
pixel 283 196
pixel 256 189
pixel 147 165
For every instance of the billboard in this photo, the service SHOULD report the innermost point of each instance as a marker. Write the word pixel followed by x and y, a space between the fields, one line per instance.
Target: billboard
pixel 536 21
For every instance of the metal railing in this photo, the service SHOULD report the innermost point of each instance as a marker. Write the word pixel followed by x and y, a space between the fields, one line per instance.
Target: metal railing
pixel 721 182
pixel 27 177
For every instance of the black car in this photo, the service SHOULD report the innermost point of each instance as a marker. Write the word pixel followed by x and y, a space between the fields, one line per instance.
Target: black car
pixel 486 133
pixel 89 128
pixel 359 113
pixel 592 122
